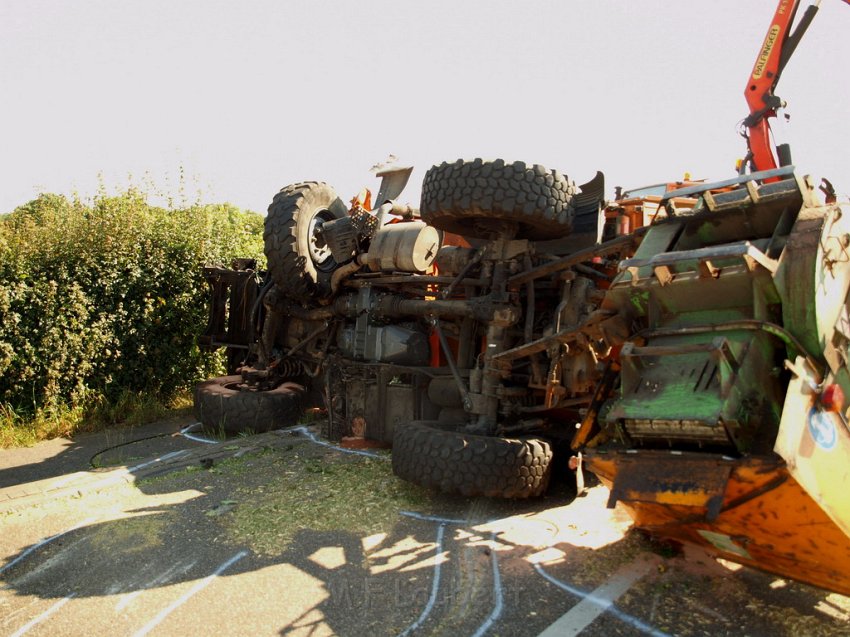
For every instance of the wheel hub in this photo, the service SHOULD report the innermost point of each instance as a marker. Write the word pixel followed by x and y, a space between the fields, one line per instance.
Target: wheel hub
pixel 320 252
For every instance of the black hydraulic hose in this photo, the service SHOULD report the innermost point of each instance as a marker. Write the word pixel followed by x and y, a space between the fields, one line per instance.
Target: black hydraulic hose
pixel 255 310
pixel 476 259
pixel 124 444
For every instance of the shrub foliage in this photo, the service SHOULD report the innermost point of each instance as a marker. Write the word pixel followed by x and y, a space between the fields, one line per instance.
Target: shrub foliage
pixel 103 298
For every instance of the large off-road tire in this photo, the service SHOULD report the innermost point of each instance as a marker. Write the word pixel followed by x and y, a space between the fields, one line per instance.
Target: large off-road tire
pixel 300 265
pixel 478 198
pixel 221 405
pixel 432 456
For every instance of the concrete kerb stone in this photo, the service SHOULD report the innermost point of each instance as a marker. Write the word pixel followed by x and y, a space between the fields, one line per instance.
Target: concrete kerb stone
pixel 83 482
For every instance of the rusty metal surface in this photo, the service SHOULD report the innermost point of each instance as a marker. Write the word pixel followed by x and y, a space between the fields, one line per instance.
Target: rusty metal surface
pixel 620 244
pixel 766 519
pixel 813 276
pixel 685 479
pixel 678 359
pixel 785 512
pixel 815 444
pixel 231 318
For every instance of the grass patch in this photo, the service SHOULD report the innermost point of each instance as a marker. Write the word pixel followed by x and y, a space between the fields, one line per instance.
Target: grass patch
pixel 21 429
pixel 323 493
pixel 132 409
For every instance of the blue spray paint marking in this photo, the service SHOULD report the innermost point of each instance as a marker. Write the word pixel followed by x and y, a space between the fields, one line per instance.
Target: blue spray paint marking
pixel 604 604
pixel 435 585
pixel 354 452
pixel 496 613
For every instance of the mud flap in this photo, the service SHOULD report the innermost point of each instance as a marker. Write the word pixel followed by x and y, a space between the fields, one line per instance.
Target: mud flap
pixel 678 480
pixel 815 445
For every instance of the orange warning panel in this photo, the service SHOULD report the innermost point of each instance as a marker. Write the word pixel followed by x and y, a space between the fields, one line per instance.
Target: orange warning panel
pixel 747 510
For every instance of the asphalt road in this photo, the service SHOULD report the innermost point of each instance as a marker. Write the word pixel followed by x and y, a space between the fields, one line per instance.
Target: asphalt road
pixel 161 557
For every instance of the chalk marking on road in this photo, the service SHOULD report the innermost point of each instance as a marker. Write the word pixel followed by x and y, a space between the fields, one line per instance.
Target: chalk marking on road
pixel 43 616
pixel 186 433
pixel 357 452
pixel 163 458
pixel 160 579
pixel 497 592
pixel 37 546
pixel 118 475
pixel 434 518
pixel 435 585
pixel 12 614
pixel 197 588
pixel 78 475
pixel 599 601
pixel 122 474
pixel 592 605
pixel 61 556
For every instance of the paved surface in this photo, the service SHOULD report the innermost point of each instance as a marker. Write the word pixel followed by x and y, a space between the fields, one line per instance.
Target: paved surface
pixel 150 548
pixel 114 447
pixel 61 468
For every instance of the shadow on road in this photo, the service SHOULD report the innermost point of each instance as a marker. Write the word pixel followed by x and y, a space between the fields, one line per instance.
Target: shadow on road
pixel 448 568
pixel 108 448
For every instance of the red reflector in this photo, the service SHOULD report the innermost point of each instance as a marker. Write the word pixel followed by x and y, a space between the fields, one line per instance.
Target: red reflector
pixel 832 398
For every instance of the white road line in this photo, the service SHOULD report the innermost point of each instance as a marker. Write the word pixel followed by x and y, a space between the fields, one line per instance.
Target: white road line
pixel 435 585
pixel 497 592
pixel 197 588
pixel 37 546
pixel 599 601
pixel 42 617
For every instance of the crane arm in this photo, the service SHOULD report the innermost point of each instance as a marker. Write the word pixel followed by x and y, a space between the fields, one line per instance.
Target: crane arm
pixel 779 43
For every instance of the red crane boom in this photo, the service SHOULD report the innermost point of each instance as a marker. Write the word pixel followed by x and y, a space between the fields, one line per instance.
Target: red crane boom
pixel 779 43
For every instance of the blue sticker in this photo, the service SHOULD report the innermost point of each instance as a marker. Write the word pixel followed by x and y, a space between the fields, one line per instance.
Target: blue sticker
pixel 822 428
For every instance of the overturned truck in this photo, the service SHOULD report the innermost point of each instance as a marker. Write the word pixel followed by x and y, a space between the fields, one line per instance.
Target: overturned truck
pixel 726 424
pixel 691 351
pixel 389 315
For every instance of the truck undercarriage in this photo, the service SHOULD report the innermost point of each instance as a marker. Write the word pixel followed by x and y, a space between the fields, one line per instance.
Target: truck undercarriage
pixel 690 348
pixel 674 360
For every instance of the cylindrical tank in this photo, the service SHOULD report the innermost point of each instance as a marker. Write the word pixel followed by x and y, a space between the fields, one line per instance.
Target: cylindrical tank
pixel 404 247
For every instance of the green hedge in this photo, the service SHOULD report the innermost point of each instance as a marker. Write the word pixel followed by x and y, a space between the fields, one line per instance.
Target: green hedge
pixel 103 298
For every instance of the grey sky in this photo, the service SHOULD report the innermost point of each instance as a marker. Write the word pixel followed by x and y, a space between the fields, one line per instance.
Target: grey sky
pixel 249 96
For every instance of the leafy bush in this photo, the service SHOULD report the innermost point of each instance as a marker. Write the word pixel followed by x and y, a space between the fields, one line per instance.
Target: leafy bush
pixel 101 299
